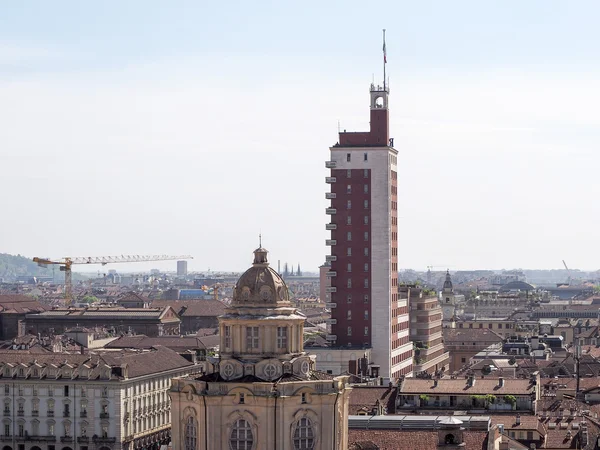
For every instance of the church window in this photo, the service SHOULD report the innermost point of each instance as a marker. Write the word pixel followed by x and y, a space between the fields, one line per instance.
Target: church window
pixel 241 437
pixel 191 434
pixel 304 435
pixel 303 397
pixel 251 338
pixel 242 399
pixel 282 337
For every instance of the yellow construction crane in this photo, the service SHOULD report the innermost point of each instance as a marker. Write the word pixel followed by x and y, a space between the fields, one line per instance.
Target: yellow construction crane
pixel 66 263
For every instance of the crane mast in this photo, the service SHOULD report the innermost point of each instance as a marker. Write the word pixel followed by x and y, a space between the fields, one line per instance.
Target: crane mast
pixel 66 263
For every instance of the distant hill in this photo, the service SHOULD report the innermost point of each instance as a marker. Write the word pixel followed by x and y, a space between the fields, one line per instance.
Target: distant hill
pixel 12 266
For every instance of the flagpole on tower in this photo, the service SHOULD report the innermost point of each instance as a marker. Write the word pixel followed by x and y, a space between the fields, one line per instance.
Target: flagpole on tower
pixel 384 59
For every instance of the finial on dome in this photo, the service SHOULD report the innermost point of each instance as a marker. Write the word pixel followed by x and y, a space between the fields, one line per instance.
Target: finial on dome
pixel 259 240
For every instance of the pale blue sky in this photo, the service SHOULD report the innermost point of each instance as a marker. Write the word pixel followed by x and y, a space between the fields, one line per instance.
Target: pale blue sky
pixel 188 127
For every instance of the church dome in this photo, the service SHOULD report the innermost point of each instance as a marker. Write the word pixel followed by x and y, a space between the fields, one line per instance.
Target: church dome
pixel 260 285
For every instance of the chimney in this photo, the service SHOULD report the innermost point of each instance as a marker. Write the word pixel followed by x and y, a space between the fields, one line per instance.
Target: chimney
pixel 518 420
pixel 501 382
pixel 471 381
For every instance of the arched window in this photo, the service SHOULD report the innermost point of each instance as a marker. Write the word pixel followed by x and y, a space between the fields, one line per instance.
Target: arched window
pixel 191 433
pixel 304 435
pixel 241 436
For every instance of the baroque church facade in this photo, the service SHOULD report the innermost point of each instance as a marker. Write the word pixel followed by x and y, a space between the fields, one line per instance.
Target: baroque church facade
pixel 265 392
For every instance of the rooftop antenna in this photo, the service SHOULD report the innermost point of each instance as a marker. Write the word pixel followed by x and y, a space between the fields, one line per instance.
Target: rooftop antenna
pixel 384 59
pixel 339 126
pixel 259 240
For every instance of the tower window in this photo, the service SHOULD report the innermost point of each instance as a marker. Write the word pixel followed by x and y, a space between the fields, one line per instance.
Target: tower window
pixel 242 399
pixel 348 157
pixel 366 331
pixel 349 298
pixel 366 298
pixel 349 282
pixel 366 173
pixel 282 337
pixel 366 220
pixel 366 188
pixel 349 235
pixel 366 203
pixel 366 251
pixel 366 235
pixel 366 314
pixel 348 173
pixel 348 189
pixel 349 331
pixel 251 338
pixel 349 204
pixel 366 267
pixel 365 157
pixel 349 267
pixel 366 282
pixel 303 398
pixel 349 315
pixel 227 336
pixel 349 251
pixel 349 220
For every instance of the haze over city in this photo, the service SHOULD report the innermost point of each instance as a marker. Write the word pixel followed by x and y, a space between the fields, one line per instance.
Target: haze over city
pixel 140 128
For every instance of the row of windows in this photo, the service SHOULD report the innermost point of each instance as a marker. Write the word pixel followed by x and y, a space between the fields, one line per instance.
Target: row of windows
pixel 394 205
pixel 365 331
pixel 365 298
pixel 365 236
pixel 51 429
pixel 242 437
pixel 399 311
pixel 349 220
pixel 397 327
pixel 402 357
pixel 399 342
pixel 507 326
pixel 365 266
pixel 50 391
pixel 349 157
pixel 349 283
pixel 401 372
pixel 365 205
pixel 349 251
pixel 252 338
pixel 349 189
pixel 365 314
pixel 349 173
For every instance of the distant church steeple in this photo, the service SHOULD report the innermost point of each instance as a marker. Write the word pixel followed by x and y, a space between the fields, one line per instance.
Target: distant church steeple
pixel 448 288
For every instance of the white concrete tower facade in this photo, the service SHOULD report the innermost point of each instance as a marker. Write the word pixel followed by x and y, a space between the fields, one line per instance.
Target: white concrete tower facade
pixel 363 295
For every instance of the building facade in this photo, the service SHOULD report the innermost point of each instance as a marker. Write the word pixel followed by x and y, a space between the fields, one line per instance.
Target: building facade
pixel 105 401
pixel 363 295
pixel 426 331
pixel 265 393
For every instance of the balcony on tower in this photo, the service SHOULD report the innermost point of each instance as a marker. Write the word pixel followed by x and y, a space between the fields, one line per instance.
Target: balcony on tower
pixel 330 195
pixel 331 273
pixel 330 164
pixel 331 321
pixel 331 226
pixel 330 258
pixel 330 211
pixel 330 305
pixel 330 242
pixel 330 180
pixel 331 337
pixel 330 289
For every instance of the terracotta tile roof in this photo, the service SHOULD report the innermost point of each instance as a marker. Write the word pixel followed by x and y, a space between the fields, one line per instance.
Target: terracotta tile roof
pixel 409 440
pixel 20 304
pixel 365 398
pixel 198 307
pixel 177 343
pixel 460 386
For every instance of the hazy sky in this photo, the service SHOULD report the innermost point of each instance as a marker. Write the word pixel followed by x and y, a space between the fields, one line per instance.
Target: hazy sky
pixel 191 126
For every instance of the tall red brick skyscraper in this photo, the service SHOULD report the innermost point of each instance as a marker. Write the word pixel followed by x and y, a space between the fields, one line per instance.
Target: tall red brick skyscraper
pixel 366 310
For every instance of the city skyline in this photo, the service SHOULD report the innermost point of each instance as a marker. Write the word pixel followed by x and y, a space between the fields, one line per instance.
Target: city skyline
pixel 145 129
